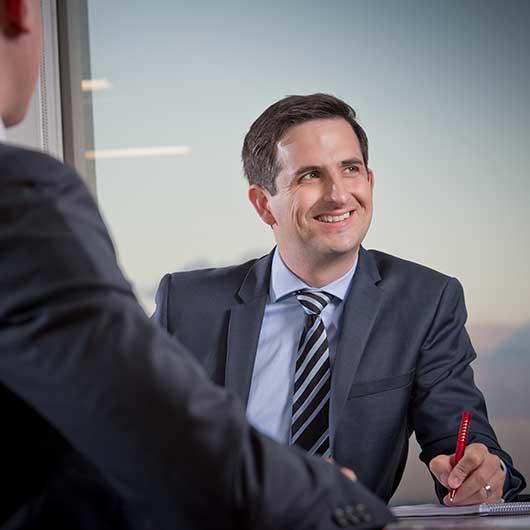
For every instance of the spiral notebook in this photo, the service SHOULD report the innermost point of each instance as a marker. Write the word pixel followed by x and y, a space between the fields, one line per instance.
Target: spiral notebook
pixel 439 510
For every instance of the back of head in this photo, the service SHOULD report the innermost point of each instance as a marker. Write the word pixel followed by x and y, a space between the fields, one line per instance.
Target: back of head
pixel 20 50
pixel 259 147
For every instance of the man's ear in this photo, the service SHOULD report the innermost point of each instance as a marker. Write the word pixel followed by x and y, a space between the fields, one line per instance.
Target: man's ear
pixel 371 178
pixel 16 16
pixel 259 197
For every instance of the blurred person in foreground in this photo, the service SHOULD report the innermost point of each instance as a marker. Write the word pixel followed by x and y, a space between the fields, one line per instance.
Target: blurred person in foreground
pixel 107 422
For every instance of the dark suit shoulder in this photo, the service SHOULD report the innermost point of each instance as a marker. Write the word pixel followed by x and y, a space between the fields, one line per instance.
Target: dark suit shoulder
pixel 46 208
pixel 393 267
pixel 220 281
pixel 26 166
pixel 403 280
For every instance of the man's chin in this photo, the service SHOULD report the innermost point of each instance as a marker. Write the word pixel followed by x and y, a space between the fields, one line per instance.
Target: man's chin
pixel 337 252
pixel 14 118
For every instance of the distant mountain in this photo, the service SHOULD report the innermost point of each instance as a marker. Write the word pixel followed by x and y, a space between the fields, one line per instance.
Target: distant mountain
pixel 504 376
pixel 487 337
pixel 514 347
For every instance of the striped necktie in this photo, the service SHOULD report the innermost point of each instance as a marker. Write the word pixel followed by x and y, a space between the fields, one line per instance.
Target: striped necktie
pixel 312 380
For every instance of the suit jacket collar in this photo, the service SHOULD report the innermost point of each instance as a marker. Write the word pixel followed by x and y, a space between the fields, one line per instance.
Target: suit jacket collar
pixel 256 281
pixel 360 312
pixel 244 327
pixel 368 266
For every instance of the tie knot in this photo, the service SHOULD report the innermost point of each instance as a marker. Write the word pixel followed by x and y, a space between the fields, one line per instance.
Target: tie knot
pixel 313 302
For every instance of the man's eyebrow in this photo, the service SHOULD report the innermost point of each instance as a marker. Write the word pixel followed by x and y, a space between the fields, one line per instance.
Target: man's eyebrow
pixel 306 169
pixel 352 161
pixel 349 162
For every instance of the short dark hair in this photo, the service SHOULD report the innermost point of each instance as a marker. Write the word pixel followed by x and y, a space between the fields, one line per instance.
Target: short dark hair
pixel 259 147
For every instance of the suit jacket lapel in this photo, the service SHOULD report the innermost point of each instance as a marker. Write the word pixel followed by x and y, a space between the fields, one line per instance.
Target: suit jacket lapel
pixel 244 327
pixel 360 310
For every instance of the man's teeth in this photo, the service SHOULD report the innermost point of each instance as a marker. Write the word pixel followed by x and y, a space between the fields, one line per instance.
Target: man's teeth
pixel 333 218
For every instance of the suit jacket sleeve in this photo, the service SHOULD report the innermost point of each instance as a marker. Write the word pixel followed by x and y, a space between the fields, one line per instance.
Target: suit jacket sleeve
pixel 77 347
pixel 162 301
pixel 445 387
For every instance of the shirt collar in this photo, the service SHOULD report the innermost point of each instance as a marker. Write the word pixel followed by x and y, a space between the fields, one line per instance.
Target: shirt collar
pixel 284 282
pixel 2 131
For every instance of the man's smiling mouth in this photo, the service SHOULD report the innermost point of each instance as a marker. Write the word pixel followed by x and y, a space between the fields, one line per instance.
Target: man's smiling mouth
pixel 333 218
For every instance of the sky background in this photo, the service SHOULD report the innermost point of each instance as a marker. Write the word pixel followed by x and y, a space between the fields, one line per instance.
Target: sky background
pixel 441 87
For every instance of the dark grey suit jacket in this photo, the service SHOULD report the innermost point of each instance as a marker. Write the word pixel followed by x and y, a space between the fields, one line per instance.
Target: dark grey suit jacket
pixel 402 362
pixel 107 421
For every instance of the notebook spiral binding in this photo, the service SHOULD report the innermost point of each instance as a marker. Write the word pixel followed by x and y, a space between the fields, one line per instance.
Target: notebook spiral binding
pixel 507 508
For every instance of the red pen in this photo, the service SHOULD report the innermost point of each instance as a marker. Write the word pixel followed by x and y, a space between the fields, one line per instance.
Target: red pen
pixel 461 444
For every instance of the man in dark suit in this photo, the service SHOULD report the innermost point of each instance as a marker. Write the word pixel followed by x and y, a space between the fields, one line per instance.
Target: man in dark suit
pixel 343 351
pixel 107 422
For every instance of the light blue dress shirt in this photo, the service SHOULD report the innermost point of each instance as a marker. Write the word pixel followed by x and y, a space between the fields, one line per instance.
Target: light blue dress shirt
pixel 2 131
pixel 271 389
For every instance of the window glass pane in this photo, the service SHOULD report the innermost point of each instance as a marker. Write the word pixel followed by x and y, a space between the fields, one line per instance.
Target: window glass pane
pixel 442 90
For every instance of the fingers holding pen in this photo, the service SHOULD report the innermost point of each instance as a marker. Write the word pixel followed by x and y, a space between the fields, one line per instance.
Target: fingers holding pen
pixel 441 467
pixel 477 489
pixel 477 477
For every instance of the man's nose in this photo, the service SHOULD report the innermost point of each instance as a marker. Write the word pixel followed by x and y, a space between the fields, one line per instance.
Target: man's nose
pixel 337 191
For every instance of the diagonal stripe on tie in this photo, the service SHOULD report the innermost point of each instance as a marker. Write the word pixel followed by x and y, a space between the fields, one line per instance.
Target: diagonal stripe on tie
pixel 307 389
pixel 304 371
pixel 312 382
pixel 313 302
pixel 312 428
pixel 322 445
pixel 309 336
pixel 311 408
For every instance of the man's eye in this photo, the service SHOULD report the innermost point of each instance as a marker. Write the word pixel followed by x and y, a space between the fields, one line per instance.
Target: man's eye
pixel 352 169
pixel 310 175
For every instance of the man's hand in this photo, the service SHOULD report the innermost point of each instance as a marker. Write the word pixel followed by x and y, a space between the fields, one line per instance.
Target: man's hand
pixel 345 470
pixel 349 473
pixel 477 469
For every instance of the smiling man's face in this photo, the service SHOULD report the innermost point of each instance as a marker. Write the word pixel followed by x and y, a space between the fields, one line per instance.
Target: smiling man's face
pixel 323 205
